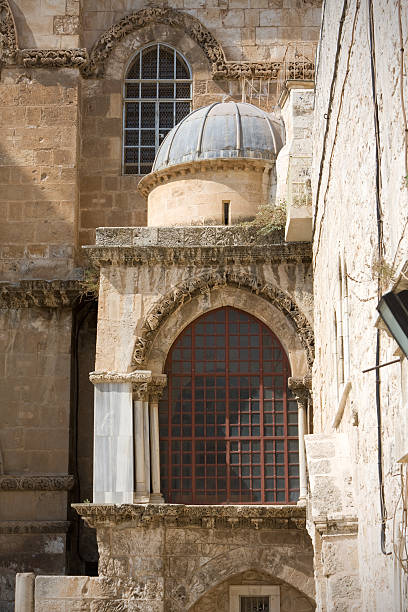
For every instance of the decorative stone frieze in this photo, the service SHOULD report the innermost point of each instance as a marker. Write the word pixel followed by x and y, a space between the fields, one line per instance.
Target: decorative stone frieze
pixel 136 377
pixel 207 282
pixel 179 515
pixel 45 482
pixel 8 33
pixel 20 527
pixel 41 293
pixel 54 58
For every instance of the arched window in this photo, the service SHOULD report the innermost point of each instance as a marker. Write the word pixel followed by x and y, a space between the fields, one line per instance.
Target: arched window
pixel 157 96
pixel 228 424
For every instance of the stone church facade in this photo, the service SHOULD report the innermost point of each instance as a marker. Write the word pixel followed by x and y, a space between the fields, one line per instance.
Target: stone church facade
pixel 185 421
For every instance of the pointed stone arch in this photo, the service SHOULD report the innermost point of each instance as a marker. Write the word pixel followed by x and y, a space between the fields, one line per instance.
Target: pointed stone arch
pixel 206 282
pixel 8 33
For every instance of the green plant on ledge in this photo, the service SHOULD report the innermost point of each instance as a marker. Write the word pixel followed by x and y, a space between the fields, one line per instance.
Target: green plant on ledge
pixel 269 218
pixel 90 283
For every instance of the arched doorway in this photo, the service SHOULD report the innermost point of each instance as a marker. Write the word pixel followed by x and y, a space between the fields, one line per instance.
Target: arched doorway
pixel 228 425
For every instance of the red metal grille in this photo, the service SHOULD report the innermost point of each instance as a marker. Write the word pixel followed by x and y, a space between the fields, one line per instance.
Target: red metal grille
pixel 228 424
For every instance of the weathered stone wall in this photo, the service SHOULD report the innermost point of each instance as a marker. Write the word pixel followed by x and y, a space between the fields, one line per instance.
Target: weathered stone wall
pixel 55 25
pixel 34 443
pixel 346 236
pixel 177 558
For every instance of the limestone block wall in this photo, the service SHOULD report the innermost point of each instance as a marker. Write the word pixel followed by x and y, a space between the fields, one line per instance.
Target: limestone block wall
pixel 34 443
pixel 38 173
pixel 53 24
pixel 346 247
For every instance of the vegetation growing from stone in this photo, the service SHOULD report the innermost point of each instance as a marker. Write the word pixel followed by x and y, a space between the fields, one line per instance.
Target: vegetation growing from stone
pixel 269 218
pixel 90 283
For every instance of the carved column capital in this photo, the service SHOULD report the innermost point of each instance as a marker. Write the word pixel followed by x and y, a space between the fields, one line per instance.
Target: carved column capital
pixel 135 377
pixel 156 387
pixel 300 390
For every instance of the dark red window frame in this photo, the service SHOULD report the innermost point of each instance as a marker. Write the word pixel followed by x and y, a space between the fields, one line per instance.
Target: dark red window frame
pixel 228 423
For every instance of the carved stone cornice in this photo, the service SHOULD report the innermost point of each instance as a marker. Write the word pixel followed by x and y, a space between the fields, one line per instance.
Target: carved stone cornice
pixel 206 282
pixel 41 293
pixel 18 527
pixel 44 482
pixel 161 177
pixel 54 58
pixel 207 517
pixel 156 387
pixel 200 256
pixel 346 525
pixel 8 33
pixel 135 377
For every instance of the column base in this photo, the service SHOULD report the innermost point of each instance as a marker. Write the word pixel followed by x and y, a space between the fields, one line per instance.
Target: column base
pixel 141 497
pixel 301 502
pixel 156 498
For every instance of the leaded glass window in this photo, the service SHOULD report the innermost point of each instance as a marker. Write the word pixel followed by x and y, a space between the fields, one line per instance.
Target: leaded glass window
pixel 157 96
pixel 228 423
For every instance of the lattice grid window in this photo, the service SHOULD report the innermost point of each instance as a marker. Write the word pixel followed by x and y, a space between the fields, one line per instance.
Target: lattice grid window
pixel 228 423
pixel 157 96
pixel 254 604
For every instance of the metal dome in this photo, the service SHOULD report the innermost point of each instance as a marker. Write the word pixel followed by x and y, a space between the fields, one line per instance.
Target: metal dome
pixel 220 130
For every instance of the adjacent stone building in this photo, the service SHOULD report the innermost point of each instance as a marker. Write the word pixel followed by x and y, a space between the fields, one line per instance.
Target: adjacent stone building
pixel 198 414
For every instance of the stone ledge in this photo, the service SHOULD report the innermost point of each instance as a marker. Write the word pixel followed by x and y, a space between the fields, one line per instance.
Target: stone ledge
pixel 38 482
pixel 40 293
pixel 203 256
pixel 207 517
pixel 181 236
pixel 19 527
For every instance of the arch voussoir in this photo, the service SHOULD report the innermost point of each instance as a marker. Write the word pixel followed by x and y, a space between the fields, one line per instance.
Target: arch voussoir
pixel 207 282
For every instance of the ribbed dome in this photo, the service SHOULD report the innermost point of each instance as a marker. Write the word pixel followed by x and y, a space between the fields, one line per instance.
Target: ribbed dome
pixel 221 130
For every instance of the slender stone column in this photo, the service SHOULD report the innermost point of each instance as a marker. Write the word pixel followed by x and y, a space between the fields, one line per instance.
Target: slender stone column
pixel 142 493
pixel 297 385
pixel 155 390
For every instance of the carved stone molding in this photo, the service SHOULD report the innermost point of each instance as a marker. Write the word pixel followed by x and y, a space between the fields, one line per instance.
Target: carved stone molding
pixel 19 527
pixel 64 482
pixel 203 256
pixel 137 376
pixel 208 281
pixel 54 58
pixel 207 517
pixel 343 525
pixel 41 293
pixel 8 33
pixel 154 179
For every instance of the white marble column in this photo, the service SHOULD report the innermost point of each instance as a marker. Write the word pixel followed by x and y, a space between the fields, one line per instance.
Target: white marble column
pixel 301 393
pixel 155 390
pixel 141 441
pixel 113 478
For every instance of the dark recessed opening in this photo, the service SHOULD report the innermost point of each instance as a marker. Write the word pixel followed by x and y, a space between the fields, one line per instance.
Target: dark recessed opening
pixel 226 207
